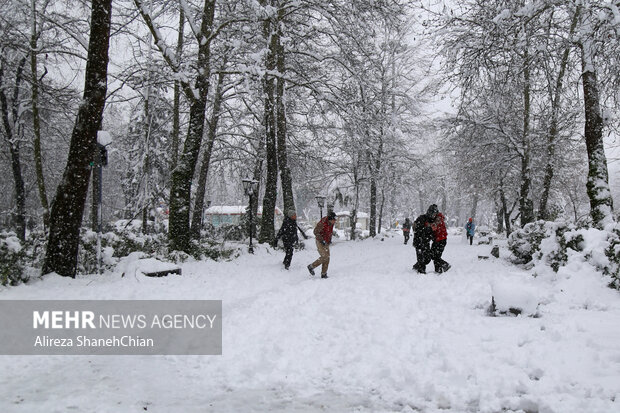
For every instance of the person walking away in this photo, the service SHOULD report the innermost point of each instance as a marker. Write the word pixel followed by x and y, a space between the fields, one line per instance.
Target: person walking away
pixel 470 228
pixel 288 233
pixel 323 234
pixel 422 236
pixel 440 238
pixel 406 229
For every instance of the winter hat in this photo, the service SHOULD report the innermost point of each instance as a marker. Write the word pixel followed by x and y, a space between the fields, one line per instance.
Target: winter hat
pixel 331 216
pixel 291 213
pixel 432 210
pixel 471 219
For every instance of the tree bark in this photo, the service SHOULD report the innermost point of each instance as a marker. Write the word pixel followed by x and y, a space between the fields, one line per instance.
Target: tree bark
pixel 176 105
pixel 381 211
pixel 14 148
pixel 526 206
pixel 505 212
pixel 68 206
pixel 267 232
pixel 552 135
pixel 372 222
pixel 182 175
pixel 281 132
pixel 474 205
pixel 36 121
pixel 601 203
pixel 499 214
pixel 206 158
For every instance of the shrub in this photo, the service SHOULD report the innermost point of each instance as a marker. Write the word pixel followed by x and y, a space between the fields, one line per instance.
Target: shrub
pixel 612 252
pixel 544 240
pixel 12 254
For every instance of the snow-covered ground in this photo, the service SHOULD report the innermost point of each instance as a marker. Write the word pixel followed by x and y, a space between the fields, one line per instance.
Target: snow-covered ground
pixel 374 337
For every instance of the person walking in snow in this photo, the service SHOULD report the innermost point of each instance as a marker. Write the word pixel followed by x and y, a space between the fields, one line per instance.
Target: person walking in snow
pixel 440 238
pixel 470 228
pixel 406 229
pixel 422 236
pixel 288 233
pixel 323 234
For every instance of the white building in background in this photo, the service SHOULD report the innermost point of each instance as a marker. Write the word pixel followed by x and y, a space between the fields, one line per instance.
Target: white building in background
pixel 343 220
pixel 218 215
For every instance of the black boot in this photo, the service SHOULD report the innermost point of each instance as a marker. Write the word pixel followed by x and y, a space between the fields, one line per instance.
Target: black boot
pixel 324 275
pixel 311 269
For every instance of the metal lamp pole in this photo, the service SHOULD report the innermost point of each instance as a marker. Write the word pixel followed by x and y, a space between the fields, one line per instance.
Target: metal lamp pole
pixel 100 160
pixel 250 187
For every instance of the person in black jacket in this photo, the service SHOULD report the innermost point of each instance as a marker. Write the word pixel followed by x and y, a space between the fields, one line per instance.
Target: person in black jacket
pixel 422 236
pixel 288 233
pixel 406 229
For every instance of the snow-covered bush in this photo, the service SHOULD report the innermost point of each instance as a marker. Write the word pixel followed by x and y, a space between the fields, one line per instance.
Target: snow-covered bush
pixel 524 243
pixel 11 259
pixel 558 243
pixel 612 252
pixel 545 241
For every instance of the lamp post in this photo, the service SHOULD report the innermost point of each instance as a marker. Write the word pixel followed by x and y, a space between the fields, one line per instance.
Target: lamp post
pixel 320 200
pixel 249 188
pixel 100 160
pixel 202 216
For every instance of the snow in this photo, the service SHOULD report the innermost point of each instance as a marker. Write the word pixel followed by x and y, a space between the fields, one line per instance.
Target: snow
pixel 373 337
pixel 134 264
pixel 11 242
pixel 234 210
pixel 104 138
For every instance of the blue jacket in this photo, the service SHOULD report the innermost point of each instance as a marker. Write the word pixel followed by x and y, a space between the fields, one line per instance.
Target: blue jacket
pixel 471 228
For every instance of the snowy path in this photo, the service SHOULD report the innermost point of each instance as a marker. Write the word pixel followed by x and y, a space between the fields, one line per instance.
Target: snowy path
pixel 373 337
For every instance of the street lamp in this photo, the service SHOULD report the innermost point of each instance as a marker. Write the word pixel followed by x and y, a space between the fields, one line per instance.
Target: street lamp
pixel 320 200
pixel 249 188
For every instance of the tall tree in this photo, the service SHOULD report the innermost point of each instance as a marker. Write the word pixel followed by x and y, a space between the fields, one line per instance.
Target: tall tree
pixel 11 123
pixel 68 206
pixel 179 234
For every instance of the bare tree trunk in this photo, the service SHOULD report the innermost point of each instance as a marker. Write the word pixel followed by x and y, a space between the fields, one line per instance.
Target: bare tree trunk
pixel 422 201
pixel 601 202
pixel 68 206
pixel 182 175
pixel 499 214
pixel 353 217
pixel 206 158
pixel 543 213
pixel 285 174
pixel 267 232
pixel 474 205
pixel 506 213
pixel 526 207
pixel 14 148
pixel 36 121
pixel 176 105
pixel 147 159
pixel 381 210
pixel 372 222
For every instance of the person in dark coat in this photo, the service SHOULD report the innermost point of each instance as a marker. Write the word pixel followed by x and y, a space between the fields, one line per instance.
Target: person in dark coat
pixel 422 236
pixel 406 229
pixel 440 238
pixel 288 233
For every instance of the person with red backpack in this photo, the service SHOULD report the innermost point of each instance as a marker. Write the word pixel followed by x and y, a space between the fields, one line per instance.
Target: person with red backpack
pixel 440 238
pixel 323 234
